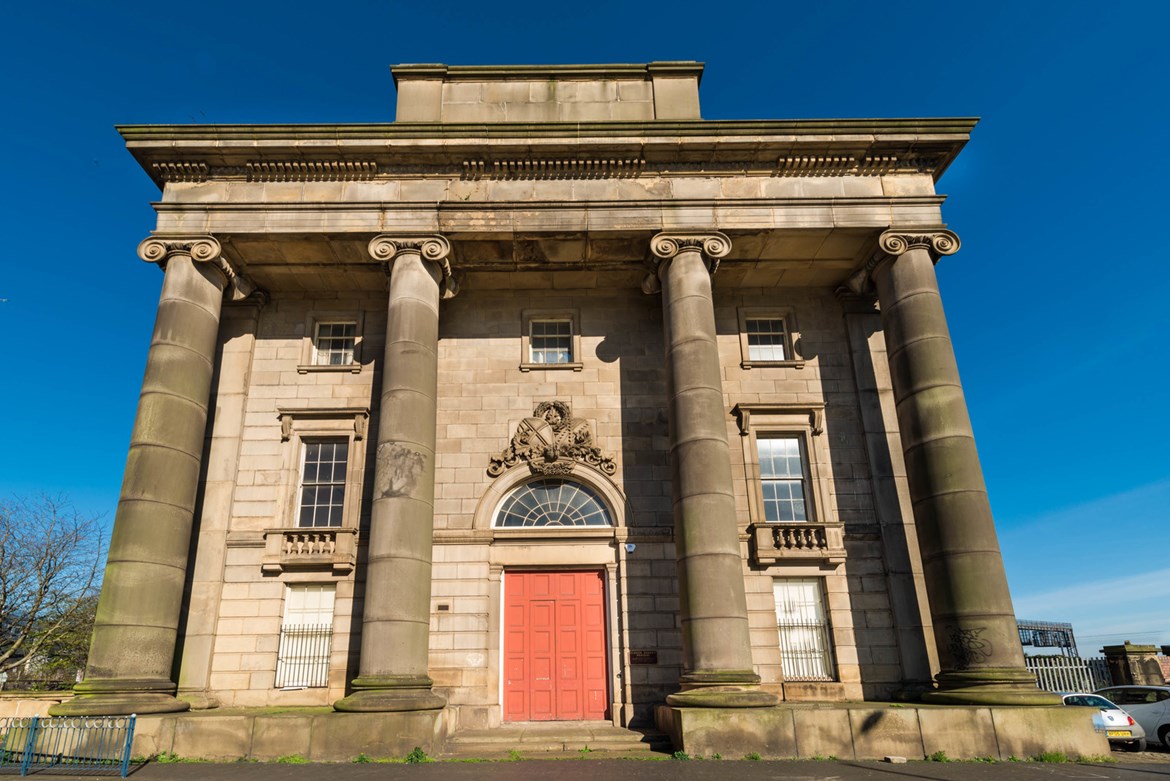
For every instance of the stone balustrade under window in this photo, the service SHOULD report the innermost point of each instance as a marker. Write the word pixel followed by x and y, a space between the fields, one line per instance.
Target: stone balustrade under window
pixel 331 548
pixel 778 542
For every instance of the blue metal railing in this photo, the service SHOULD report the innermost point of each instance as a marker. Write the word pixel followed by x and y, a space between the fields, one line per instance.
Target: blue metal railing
pixel 74 744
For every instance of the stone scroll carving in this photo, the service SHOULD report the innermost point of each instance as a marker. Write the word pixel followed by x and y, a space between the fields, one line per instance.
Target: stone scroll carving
pixel 552 442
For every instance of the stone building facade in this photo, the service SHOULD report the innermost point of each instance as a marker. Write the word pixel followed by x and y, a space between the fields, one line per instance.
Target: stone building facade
pixel 550 400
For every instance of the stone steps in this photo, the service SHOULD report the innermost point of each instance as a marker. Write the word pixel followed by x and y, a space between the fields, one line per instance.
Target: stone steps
pixel 546 740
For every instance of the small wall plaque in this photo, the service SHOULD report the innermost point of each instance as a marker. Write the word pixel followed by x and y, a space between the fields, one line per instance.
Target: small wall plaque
pixel 643 657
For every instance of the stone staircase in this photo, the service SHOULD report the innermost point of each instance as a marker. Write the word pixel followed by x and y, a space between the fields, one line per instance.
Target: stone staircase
pixel 556 739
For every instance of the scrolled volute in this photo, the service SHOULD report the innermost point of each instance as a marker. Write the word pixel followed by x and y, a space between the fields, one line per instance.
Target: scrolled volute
pixel 937 242
pixel 713 244
pixel 156 249
pixel 434 248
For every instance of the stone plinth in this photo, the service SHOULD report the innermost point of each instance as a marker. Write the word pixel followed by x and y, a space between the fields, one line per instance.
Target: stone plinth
pixel 875 730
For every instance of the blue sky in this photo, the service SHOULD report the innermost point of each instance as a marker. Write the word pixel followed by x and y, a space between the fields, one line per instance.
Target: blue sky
pixel 1056 301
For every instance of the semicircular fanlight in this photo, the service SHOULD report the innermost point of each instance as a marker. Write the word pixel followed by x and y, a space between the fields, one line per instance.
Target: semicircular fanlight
pixel 552 503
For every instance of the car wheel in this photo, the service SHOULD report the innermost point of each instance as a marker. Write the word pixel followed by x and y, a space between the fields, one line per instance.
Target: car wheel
pixel 1164 735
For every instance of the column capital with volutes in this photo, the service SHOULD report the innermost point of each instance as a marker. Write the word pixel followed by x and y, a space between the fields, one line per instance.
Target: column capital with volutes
pixel 159 249
pixel 896 242
pixel 712 245
pixel 434 248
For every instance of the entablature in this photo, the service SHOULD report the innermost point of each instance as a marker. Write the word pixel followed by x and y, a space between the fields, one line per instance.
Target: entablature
pixel 546 149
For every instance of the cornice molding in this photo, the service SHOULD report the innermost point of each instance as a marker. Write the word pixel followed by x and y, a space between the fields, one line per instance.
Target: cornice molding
pixel 563 168
pixel 536 168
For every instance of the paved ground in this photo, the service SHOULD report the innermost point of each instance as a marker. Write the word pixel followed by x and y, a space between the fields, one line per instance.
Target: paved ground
pixel 1147 768
pixel 648 770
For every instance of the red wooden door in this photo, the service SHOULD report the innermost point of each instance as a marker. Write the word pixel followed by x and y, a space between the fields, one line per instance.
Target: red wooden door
pixel 554 646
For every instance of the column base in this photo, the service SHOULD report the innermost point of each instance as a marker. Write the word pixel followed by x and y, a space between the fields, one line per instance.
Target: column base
pixel 733 689
pixel 390 693
pixel 989 686
pixel 120 697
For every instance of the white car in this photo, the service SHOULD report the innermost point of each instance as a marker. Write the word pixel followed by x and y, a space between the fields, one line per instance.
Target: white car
pixel 1117 725
pixel 1150 705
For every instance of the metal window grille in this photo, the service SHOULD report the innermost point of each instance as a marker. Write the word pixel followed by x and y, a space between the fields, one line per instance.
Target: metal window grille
pixel 805 644
pixel 303 659
pixel 87 745
pixel 334 344
pixel 551 341
pixel 323 483
pixel 782 478
pixel 767 339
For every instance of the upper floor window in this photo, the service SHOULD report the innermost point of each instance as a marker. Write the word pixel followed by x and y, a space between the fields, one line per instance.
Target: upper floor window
pixel 551 340
pixel 768 337
pixel 552 502
pixel 333 343
pixel 323 475
pixel 782 478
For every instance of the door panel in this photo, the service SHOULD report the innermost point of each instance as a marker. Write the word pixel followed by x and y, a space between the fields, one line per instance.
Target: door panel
pixel 555 665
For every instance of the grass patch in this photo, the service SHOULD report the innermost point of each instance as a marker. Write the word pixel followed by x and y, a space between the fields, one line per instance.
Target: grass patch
pixel 938 756
pixel 680 755
pixel 584 752
pixel 417 757
pixel 514 756
pixel 1051 756
pixel 171 758
pixel 754 756
pixel 1099 759
pixel 292 759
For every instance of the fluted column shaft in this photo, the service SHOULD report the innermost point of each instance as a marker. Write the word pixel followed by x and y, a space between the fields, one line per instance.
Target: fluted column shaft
pixel 396 617
pixel 717 657
pixel 975 629
pixel 133 648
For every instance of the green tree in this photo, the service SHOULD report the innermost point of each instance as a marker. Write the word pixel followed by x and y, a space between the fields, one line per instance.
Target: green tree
pixel 50 566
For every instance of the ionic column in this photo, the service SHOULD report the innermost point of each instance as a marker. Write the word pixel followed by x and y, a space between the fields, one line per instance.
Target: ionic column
pixel 392 672
pixel 979 649
pixel 717 655
pixel 133 648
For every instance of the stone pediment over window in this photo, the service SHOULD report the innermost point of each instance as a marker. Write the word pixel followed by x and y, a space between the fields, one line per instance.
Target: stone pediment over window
pixel 552 442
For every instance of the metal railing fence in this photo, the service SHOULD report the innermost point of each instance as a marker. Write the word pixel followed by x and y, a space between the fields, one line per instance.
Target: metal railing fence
pixel 303 660
pixel 1068 673
pixel 66 744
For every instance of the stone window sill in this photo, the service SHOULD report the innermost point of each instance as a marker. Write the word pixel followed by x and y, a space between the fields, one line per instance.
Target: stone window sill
pixel 308 368
pixel 773 364
pixel 575 366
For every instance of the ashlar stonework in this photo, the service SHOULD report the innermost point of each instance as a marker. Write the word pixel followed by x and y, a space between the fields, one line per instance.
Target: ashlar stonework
pixel 551 398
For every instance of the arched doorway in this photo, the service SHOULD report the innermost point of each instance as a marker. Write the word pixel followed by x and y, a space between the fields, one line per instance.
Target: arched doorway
pixel 555 655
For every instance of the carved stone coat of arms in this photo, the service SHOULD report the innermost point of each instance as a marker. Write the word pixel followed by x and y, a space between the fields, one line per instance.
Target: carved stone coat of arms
pixel 552 442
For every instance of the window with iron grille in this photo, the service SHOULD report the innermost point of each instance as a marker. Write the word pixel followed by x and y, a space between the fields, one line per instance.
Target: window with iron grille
pixel 306 636
pixel 550 341
pixel 806 652
pixel 323 483
pixel 333 343
pixel 782 478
